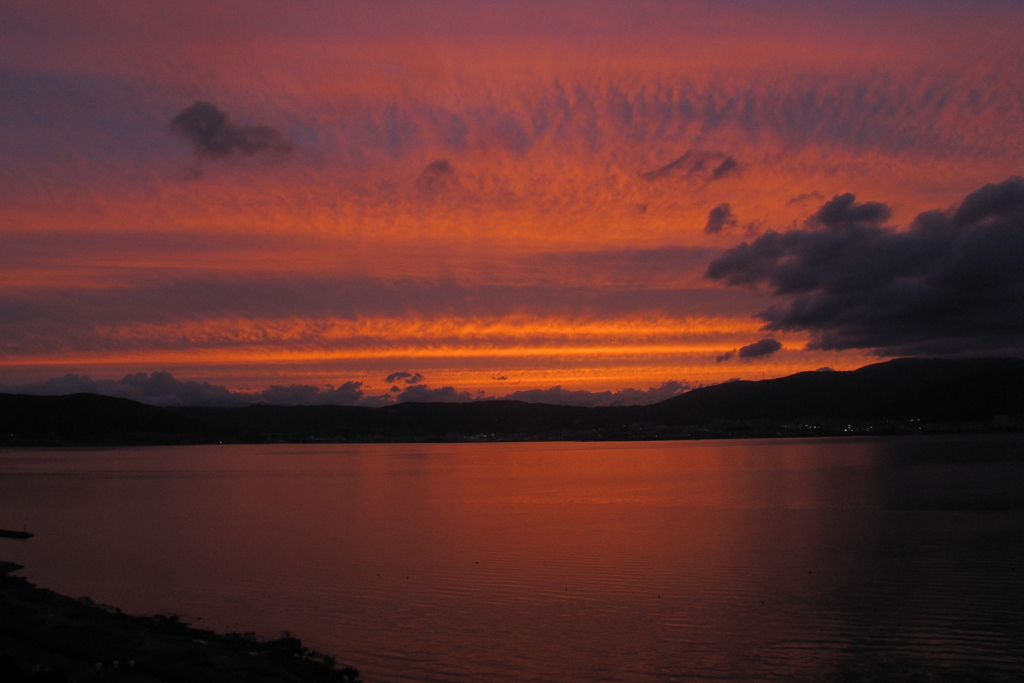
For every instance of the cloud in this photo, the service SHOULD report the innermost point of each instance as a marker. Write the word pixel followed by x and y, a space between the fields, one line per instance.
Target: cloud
pixel 695 163
pixel 436 177
pixel 348 394
pixel 158 388
pixel 406 377
pixel 934 111
pixel 163 311
pixel 764 347
pixel 952 283
pixel 719 218
pixel 843 209
pixel 163 389
pixel 806 197
pixel 420 393
pixel 68 384
pixel 213 134
pixel 728 167
pixel 660 268
pixel 624 397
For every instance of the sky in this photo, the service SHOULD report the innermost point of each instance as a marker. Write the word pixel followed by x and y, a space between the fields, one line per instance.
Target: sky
pixel 588 202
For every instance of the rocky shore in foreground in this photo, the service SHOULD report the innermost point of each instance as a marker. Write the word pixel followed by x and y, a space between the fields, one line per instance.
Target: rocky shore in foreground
pixel 50 638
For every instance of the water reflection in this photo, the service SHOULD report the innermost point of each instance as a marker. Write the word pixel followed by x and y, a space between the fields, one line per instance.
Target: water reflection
pixel 768 560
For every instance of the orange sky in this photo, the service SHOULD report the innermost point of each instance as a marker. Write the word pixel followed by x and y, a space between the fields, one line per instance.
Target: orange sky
pixel 472 189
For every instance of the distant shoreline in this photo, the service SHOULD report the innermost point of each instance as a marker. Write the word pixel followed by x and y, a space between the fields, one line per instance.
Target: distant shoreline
pixel 905 396
pixel 724 431
pixel 79 640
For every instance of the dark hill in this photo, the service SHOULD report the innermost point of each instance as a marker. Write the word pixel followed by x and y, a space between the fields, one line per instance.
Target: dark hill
pixel 952 394
pixel 88 419
pixel 935 390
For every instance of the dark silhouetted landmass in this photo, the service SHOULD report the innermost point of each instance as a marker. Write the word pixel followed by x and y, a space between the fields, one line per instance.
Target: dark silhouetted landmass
pixel 90 419
pixel 48 637
pixel 933 390
pixel 895 397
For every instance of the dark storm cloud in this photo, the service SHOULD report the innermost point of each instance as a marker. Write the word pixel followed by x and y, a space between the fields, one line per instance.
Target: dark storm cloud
pixel 992 201
pixel 764 347
pixel 214 135
pixel 704 165
pixel 953 283
pixel 843 209
pixel 719 218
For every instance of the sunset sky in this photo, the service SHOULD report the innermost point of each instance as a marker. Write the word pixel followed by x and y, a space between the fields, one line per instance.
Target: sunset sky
pixel 500 197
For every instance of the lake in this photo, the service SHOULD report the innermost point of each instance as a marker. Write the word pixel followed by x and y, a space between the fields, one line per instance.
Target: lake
pixel 775 560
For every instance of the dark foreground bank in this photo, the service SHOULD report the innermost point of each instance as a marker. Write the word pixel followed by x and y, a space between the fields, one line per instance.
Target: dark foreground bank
pixel 50 638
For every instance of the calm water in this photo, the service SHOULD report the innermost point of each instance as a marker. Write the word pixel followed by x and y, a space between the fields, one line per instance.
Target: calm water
pixel 736 560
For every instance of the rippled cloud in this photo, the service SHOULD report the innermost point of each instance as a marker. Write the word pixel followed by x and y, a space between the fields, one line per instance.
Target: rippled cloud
pixel 474 190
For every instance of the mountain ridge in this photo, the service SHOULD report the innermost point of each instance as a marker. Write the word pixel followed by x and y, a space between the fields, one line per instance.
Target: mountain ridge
pixel 896 396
